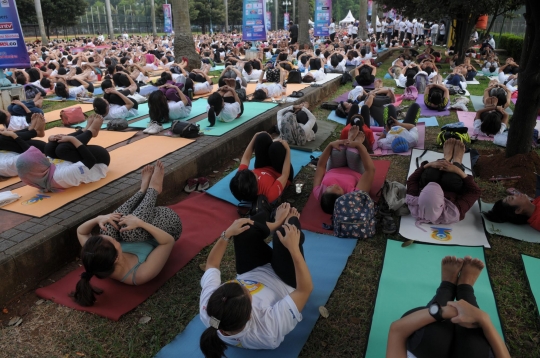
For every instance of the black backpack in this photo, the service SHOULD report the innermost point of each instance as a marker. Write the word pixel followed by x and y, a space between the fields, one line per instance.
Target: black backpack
pixel 185 129
pixel 346 78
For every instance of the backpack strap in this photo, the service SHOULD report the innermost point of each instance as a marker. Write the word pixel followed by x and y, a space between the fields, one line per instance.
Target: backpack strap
pixel 418 158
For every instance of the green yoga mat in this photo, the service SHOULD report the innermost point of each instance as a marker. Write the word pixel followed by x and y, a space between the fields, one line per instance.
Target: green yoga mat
pixel 143 111
pixel 478 104
pixel 532 267
pixel 324 130
pixel 198 107
pixel 518 232
pixel 251 110
pixel 409 279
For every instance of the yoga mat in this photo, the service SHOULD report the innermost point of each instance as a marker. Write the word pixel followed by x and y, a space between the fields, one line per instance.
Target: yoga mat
pixel 214 89
pixel 532 267
pixel 473 82
pixel 333 117
pixel 9 182
pixel 59 99
pixel 329 77
pixel 345 96
pixel 468 120
pixel 55 115
pixel 291 87
pixel 324 130
pixel 430 112
pixel 331 251
pixel 313 217
pixel 198 107
pixel 221 188
pixel 98 91
pixel 518 232
pixel 251 110
pixel 468 232
pixel 478 104
pixel 143 111
pixel 146 90
pixel 118 298
pixel 421 127
pixel 146 150
pixel 410 278
pixel 367 87
pixel 104 138
pixel 217 68
pixel 429 121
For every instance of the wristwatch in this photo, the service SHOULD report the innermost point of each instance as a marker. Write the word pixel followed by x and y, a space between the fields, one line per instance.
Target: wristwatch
pixel 223 237
pixel 435 311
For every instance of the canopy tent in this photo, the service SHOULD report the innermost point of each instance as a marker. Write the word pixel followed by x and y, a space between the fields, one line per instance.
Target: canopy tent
pixel 348 18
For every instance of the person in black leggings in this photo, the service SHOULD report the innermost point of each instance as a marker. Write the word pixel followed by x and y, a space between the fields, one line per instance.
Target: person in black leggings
pixel 19 141
pixel 446 328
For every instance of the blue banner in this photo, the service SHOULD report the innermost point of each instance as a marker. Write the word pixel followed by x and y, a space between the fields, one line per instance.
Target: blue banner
pixel 268 21
pixel 286 20
pixel 13 52
pixel 167 24
pixel 253 20
pixel 323 16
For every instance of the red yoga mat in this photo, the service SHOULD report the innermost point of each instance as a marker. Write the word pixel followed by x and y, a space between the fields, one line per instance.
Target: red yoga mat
pixel 313 217
pixel 118 298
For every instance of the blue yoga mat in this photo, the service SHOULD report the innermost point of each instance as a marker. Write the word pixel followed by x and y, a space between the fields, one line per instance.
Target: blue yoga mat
pixel 532 267
pixel 221 190
pixel 429 121
pixel 56 98
pixel 332 117
pixel 198 108
pixel 326 257
pixel 98 91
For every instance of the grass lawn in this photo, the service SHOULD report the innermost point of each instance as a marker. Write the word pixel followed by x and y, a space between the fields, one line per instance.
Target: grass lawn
pixel 50 330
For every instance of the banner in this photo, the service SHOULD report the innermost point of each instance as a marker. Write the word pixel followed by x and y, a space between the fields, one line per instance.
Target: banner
pixel 13 52
pixel 323 16
pixel 268 21
pixel 167 24
pixel 286 20
pixel 369 7
pixel 254 28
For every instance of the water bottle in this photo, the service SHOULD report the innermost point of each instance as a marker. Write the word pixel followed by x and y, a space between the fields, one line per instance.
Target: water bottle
pixel 190 94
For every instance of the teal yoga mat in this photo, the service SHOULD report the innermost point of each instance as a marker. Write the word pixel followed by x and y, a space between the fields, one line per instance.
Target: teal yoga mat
pixel 518 232
pixel 251 110
pixel 143 111
pixel 198 107
pixel 478 104
pixel 221 190
pixel 409 279
pixel 532 267
pixel 333 117
pixel 326 257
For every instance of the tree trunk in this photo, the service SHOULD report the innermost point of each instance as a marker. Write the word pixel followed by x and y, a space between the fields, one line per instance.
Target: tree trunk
pixel 303 24
pixel 226 16
pixel 153 16
pixel 528 103
pixel 183 38
pixel 464 27
pixel 109 18
pixel 39 14
pixel 362 20
pixel 294 11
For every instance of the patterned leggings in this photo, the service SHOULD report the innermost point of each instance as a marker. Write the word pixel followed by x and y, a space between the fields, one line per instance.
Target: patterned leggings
pixel 143 206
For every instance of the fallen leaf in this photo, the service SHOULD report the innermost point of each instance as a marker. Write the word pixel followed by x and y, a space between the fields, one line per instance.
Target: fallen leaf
pixel 5 311
pixel 202 267
pixel 324 344
pixel 18 323
pixel 38 302
pixel 360 252
pixel 144 319
pixel 407 243
pixel 13 320
pixel 216 171
pixel 355 320
pixel 80 354
pixel 323 311
pixel 236 160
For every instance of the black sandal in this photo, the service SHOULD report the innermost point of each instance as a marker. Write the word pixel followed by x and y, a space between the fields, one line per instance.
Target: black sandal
pixel 389 225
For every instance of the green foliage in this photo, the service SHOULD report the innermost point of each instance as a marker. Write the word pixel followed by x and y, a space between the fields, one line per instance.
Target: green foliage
pixel 513 44
pixel 340 8
pixel 55 12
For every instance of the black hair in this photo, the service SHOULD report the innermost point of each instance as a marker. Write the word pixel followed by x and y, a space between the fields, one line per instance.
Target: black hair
pixel 334 60
pixel 188 85
pixel 51 66
pixel 98 256
pixel 503 212
pixel 100 106
pixel 327 202
pixel 436 96
pixel 21 79
pixel 61 90
pixel 244 186
pixel 259 95
pixel 248 67
pixel 106 84
pixel 62 71
pixel 500 93
pixel 45 82
pixel 231 306
pixel 215 101
pixel 78 70
pixel 491 122
pixel 3 119
pixel 158 107
pixel 429 70
pixel 363 52
pixel 308 78
pixel 282 56
pixel 315 64
pixel 165 76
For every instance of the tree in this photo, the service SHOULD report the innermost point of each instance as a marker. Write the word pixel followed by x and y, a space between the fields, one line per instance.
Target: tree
pixel 362 19
pixel 303 24
pixel 524 119
pixel 55 12
pixel 209 10
pixel 502 7
pixel 184 46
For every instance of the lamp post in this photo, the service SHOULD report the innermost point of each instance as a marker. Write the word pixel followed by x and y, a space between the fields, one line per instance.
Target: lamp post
pixel 286 4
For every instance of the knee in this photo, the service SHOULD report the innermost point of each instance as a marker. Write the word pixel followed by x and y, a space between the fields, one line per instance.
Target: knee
pixel 430 175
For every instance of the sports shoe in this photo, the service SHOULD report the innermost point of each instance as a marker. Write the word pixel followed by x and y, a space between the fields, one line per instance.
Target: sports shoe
pixel 191 185
pixel 153 128
pixel 204 184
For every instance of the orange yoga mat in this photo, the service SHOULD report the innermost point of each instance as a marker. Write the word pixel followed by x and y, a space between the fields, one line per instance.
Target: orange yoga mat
pixel 207 94
pixel 9 182
pixel 124 160
pixel 55 115
pixel 291 87
pixel 104 139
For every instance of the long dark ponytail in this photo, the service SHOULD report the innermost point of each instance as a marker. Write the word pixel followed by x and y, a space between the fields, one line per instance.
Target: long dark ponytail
pixel 230 307
pixel 158 107
pixel 98 256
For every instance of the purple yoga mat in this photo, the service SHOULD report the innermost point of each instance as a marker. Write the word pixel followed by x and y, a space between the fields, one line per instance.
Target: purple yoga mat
pixel 421 127
pixel 343 97
pixel 368 87
pixel 426 112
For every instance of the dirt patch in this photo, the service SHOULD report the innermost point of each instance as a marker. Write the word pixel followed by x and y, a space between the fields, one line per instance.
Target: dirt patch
pixel 494 163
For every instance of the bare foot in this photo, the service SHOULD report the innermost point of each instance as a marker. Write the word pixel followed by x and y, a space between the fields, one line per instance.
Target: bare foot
pixel 293 213
pixel 89 122
pixel 96 124
pixel 282 212
pixel 459 151
pixel 40 124
pixel 491 102
pixel 146 175
pixel 450 267
pixel 353 132
pixel 448 149
pixel 470 271
pixel 156 182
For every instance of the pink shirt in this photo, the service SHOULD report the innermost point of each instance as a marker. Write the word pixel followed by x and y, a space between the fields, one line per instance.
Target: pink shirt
pixel 344 177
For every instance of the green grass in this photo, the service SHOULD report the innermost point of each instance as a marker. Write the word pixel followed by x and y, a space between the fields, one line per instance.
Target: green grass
pixel 50 330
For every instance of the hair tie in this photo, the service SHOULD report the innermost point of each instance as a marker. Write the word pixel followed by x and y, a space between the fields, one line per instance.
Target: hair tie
pixel 214 322
pixel 86 276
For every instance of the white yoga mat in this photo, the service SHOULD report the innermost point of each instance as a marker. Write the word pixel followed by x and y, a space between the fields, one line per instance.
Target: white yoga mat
pixel 468 232
pixel 518 232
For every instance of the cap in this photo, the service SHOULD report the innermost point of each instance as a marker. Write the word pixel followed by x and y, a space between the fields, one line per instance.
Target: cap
pixel 400 145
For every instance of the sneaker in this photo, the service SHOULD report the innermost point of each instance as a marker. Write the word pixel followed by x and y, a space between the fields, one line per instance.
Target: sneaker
pixel 191 185
pixel 153 128
pixel 204 184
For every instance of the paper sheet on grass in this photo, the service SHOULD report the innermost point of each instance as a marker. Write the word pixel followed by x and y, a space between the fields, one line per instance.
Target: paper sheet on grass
pixel 377 151
pixel 518 232
pixel 532 267
pixel 326 257
pixel 146 150
pixel 478 104
pixel 198 107
pixel 55 115
pixel 468 232
pixel 324 130
pixel 410 277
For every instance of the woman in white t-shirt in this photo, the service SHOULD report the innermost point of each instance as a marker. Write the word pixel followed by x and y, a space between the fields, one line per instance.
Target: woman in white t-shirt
pixel 264 303
pixel 332 30
pixel 269 89
pixel 224 105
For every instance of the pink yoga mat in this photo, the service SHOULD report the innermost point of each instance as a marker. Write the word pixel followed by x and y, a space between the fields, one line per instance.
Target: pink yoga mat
pixel 421 127
pixel 312 216
pixel 118 298
pixel 426 112
pixel 345 96
pixel 468 120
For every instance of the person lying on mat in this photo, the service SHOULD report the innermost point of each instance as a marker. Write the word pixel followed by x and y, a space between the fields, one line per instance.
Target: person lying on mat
pixel 374 107
pixel 182 81
pixel 71 161
pixel 448 328
pixel 18 116
pixel 358 120
pixel 83 88
pixel 115 104
pixel 316 72
pixel 436 95
pixel 490 121
pixel 14 143
pixel 365 74
pixel 233 73
pixel 440 192
pixel 224 105
pixel 509 68
pixel 273 284
pixel 497 94
pixel 517 209
pixel 272 174
pixel 344 166
pixel 161 110
pixel 134 242
pixel 400 136
pixel 296 124
pixel 271 88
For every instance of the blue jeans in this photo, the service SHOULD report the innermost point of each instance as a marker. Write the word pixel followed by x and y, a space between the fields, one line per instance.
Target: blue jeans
pixel 16 110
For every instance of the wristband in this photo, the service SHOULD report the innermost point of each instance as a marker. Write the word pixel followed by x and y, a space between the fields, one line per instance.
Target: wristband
pixel 223 237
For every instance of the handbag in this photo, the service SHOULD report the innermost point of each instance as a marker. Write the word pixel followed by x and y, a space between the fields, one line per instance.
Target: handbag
pixel 71 116
pixel 117 124
pixel 185 129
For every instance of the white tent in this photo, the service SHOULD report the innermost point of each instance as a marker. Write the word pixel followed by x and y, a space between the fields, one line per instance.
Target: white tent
pixel 348 18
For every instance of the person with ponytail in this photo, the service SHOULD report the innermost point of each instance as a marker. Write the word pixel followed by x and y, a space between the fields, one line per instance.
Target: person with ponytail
pixel 134 242
pixel 436 95
pixel 224 105
pixel 273 284
pixel 164 107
